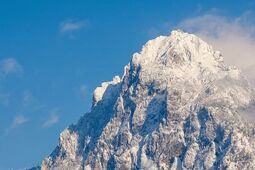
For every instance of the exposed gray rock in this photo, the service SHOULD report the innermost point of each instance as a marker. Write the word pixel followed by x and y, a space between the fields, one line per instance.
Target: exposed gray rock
pixel 177 106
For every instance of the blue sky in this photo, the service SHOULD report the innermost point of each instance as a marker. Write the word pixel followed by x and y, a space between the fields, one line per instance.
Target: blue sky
pixel 54 53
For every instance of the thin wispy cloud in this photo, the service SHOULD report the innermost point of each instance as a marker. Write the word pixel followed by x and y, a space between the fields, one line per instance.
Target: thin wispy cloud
pixel 27 98
pixel 83 90
pixel 10 66
pixel 18 120
pixel 70 26
pixel 234 37
pixel 53 118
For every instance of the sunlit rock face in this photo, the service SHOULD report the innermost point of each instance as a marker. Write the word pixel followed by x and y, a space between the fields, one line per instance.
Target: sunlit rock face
pixel 177 106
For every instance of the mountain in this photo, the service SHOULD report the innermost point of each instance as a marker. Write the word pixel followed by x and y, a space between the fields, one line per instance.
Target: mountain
pixel 177 106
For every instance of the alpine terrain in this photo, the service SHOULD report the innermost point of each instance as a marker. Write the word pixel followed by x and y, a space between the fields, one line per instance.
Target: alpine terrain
pixel 177 106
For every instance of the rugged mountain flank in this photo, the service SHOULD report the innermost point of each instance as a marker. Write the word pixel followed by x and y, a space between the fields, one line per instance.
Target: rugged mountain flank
pixel 177 106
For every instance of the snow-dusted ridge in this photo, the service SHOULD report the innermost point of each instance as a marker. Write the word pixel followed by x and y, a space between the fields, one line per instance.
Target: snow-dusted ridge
pixel 177 106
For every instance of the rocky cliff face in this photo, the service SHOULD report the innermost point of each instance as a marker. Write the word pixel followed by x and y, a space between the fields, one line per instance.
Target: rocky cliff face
pixel 177 106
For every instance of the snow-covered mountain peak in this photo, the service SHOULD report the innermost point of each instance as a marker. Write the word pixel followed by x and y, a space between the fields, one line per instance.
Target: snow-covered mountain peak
pixel 177 55
pixel 183 61
pixel 177 106
pixel 177 48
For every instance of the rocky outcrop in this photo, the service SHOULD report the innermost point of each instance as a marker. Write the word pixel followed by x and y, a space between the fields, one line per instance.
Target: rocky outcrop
pixel 177 106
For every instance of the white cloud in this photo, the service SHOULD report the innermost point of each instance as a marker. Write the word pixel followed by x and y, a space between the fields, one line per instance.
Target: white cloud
pixel 10 66
pixel 234 37
pixel 19 120
pixel 83 90
pixel 72 25
pixel 53 118
pixel 27 98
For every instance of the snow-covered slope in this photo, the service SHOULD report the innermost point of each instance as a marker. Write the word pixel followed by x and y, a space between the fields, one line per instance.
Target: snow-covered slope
pixel 177 106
